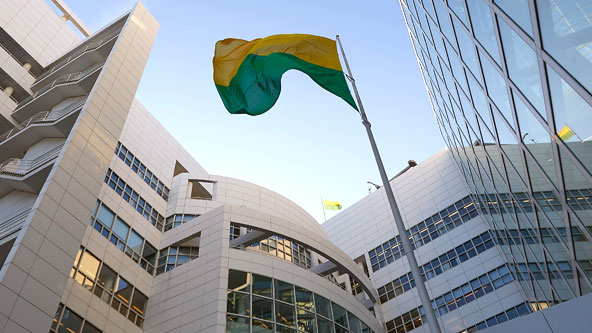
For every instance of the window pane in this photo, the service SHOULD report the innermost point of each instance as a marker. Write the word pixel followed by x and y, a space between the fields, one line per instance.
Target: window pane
pixel 483 27
pixel 522 66
pixel 325 326
pixel 238 303
pixel 565 28
pixel 262 326
pixel 89 328
pixel 536 138
pixel 339 315
pixel 106 216
pixel 70 322
pixel 139 302
pixel 121 229
pixel 467 50
pixel 323 307
pixel 518 11
pixel 304 298
pixel 236 324
pixel 107 278
pixel 135 242
pixel 239 281
pixel 354 323
pixel 284 291
pixel 285 314
pixel 496 88
pixel 458 6
pixel 89 265
pixel 306 321
pixel 262 308
pixel 262 285
pixel 56 317
pixel 124 291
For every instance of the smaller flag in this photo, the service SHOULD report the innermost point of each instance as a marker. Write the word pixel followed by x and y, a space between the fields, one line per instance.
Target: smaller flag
pixel 332 205
pixel 565 133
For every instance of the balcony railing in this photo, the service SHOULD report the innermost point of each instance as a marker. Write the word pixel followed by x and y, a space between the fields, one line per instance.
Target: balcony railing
pixel 67 78
pixel 90 47
pixel 18 168
pixel 44 117
pixel 13 224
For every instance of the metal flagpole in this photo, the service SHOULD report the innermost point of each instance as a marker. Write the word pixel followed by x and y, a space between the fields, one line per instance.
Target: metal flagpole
pixel 421 288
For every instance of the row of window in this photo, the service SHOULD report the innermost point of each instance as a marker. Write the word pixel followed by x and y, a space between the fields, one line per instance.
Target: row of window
pixel 514 312
pixel 65 320
pixel 453 299
pixel 120 234
pixel 437 266
pixel 271 305
pixel 134 199
pixel 579 200
pixel 535 271
pixel 176 220
pixel 174 256
pixel 278 246
pixel 142 171
pixel 424 232
pixel 530 236
pixel 109 286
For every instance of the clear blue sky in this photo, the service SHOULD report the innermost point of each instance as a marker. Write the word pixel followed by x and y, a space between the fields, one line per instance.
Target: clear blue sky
pixel 311 144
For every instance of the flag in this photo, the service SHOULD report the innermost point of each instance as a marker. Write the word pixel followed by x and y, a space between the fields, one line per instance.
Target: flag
pixel 332 205
pixel 248 74
pixel 565 133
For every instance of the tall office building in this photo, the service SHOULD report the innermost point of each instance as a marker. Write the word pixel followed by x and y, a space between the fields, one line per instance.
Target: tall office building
pixel 108 225
pixel 467 276
pixel 510 85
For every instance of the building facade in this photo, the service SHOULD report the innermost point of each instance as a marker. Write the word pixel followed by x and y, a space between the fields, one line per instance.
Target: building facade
pixel 467 276
pixel 108 225
pixel 510 87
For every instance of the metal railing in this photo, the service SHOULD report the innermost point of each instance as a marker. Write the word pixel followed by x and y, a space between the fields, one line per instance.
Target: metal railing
pixel 66 78
pixel 43 117
pixel 90 47
pixel 13 224
pixel 16 167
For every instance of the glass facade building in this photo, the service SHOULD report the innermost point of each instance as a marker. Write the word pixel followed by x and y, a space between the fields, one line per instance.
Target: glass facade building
pixel 510 86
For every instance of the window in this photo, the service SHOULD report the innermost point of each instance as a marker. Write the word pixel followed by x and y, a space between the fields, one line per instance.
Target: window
pixel 174 256
pixel 136 201
pixel 106 284
pixel 140 169
pixel 125 238
pixel 67 321
pixel 261 303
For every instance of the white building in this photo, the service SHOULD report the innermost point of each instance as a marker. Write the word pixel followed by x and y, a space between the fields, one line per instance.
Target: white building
pixel 108 225
pixel 467 276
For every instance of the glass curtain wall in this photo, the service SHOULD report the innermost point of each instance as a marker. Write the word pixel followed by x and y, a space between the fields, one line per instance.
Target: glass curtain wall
pixel 510 86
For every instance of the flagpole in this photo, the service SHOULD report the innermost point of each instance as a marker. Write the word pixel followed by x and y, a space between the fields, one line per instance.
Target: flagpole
pixel 404 235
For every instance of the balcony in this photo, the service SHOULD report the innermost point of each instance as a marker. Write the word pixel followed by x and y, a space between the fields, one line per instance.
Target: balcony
pixel 80 59
pixel 45 124
pixel 69 85
pixel 27 175
pixel 13 224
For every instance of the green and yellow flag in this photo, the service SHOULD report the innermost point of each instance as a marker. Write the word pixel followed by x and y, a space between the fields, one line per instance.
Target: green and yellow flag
pixel 565 133
pixel 248 74
pixel 332 205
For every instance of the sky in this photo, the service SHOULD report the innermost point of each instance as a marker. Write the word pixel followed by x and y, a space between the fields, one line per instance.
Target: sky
pixel 311 144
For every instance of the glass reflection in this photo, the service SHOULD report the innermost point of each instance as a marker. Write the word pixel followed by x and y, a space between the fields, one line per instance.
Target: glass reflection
pixel 518 11
pixel 483 26
pixel 522 66
pixel 565 28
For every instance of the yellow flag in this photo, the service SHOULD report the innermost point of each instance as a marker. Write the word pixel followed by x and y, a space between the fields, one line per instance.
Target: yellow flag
pixel 332 205
pixel 565 133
